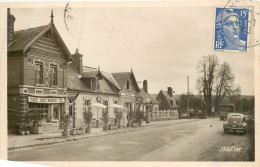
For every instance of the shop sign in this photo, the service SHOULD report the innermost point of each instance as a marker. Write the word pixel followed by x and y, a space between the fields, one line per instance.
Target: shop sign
pixel 45 100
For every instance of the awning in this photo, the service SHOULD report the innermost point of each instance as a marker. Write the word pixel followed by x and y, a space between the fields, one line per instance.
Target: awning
pixel 116 106
pixel 98 105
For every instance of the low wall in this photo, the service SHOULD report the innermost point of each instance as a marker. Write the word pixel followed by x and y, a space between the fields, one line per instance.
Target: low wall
pixel 50 127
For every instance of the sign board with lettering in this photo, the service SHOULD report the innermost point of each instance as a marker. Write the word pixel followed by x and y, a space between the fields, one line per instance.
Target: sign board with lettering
pixel 45 100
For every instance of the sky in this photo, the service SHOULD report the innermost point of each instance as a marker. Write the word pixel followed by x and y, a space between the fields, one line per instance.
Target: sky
pixel 161 44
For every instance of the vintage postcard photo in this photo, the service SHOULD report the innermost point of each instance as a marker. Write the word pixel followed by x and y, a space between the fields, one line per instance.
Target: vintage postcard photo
pixel 133 81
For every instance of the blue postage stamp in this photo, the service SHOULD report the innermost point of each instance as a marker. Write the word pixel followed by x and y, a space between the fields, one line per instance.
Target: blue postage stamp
pixel 231 29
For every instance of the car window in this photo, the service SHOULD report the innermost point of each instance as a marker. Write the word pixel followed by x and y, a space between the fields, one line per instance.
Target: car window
pixel 234 119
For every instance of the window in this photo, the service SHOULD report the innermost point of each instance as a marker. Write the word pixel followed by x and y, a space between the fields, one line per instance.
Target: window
pixel 38 111
pixel 93 84
pixel 39 73
pixel 55 113
pixel 87 104
pixel 127 85
pixel 70 110
pixel 53 75
pixel 70 107
pixel 99 85
pixel 105 103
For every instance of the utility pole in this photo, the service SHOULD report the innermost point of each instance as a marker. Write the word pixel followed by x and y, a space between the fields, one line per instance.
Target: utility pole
pixel 188 94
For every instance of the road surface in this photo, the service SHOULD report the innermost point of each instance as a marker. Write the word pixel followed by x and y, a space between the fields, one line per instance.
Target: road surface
pixel 202 140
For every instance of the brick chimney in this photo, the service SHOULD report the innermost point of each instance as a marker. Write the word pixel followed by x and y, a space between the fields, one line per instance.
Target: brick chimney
pixel 77 59
pixel 145 86
pixel 10 26
pixel 170 92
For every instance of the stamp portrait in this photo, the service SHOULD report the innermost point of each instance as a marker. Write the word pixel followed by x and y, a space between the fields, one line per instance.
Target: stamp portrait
pixel 231 29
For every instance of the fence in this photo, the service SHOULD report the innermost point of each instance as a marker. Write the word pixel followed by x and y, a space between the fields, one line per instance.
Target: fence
pixel 164 115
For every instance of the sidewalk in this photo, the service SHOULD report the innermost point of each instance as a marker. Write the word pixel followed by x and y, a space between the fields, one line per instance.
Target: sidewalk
pixel 34 140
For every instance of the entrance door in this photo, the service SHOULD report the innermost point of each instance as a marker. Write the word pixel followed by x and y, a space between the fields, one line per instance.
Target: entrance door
pixel 56 115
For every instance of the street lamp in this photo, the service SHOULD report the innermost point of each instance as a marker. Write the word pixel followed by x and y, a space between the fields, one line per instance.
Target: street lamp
pixel 148 103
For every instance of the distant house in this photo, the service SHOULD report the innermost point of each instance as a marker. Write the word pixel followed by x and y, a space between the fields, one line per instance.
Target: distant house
pixel 167 102
pixel 146 102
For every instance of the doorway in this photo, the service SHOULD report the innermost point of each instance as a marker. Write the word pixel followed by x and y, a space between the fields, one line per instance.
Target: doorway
pixel 56 113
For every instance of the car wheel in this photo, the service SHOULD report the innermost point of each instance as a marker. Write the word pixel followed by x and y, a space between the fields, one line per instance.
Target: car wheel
pixel 244 132
pixel 23 133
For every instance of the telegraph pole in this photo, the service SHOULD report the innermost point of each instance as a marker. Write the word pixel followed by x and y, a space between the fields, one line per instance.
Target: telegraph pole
pixel 188 94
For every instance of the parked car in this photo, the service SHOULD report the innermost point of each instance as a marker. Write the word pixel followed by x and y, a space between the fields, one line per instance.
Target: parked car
pixel 235 122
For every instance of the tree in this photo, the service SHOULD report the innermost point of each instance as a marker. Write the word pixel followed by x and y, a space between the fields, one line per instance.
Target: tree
pixel 234 97
pixel 195 103
pixel 207 69
pixel 182 103
pixel 224 85
pixel 87 115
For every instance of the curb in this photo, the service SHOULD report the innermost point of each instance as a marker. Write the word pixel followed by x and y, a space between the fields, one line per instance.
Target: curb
pixel 93 136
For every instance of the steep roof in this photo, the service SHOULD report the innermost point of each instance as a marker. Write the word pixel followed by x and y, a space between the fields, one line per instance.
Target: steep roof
pixel 168 97
pixel 154 95
pixel 167 100
pixel 92 72
pixel 122 77
pixel 73 81
pixel 88 69
pixel 110 78
pixel 89 74
pixel 146 96
pixel 24 39
pixel 78 84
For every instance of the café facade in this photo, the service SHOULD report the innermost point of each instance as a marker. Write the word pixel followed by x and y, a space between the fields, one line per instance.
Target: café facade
pixel 37 68
pixel 128 94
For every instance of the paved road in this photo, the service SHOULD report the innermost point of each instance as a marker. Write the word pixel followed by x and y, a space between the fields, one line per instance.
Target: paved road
pixel 193 141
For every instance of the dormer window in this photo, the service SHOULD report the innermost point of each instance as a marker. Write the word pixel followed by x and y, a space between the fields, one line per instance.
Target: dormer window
pixel 93 84
pixel 99 85
pixel 127 84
